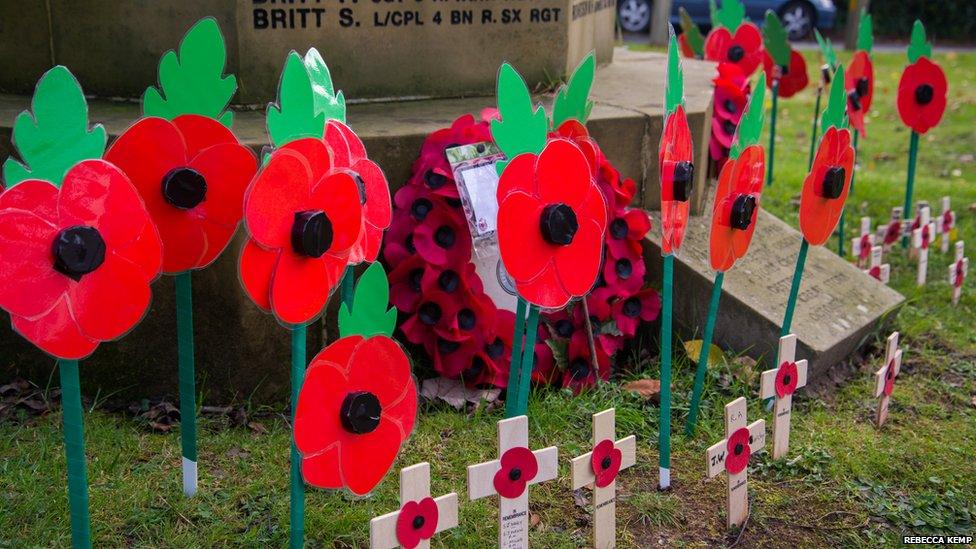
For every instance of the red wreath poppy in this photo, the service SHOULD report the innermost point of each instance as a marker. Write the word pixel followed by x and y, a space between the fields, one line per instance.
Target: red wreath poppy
pixel 544 371
pixel 518 468
pixel 890 376
pixel 416 522
pixel 191 174
pixel 629 312
pixel 434 313
pixel 437 175
pixel 605 463
pixel 442 238
pixel 677 180
pixel 922 95
pixel 303 219
pixel 625 274
pixel 786 378
pixel 356 408
pixel 736 207
pixel 826 186
pixel 579 374
pixel 794 80
pixel 551 219
pixel 626 231
pixel 744 48
pixel 76 262
pixel 738 451
pixel 859 83
pixel 405 284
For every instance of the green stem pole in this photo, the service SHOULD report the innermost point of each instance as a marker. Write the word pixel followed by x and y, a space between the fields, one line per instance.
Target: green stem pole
pixel 297 484
pixel 188 405
pixel 910 184
pixel 841 233
pixel 801 260
pixel 514 369
pixel 664 436
pixel 772 133
pixel 703 355
pixel 528 358
pixel 347 286
pixel 816 127
pixel 74 453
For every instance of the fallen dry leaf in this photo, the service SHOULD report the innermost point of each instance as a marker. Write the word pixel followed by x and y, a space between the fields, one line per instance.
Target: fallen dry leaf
pixel 534 519
pixel 455 393
pixel 647 388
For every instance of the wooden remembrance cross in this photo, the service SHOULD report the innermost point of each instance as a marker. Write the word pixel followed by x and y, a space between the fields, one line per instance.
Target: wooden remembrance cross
pixel 946 223
pixel 410 526
pixel 780 383
pixel 510 477
pixel 877 269
pixel 732 456
pixel 921 241
pixel 884 379
pixel 862 244
pixel 600 467
pixel 958 270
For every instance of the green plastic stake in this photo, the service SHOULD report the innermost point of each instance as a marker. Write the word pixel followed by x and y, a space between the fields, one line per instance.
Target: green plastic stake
pixel 695 39
pixel 835 115
pixel 674 95
pixel 523 127
pixel 53 135
pixel 865 32
pixel 327 101
pixel 696 392
pixel 74 453
pixel 801 260
pixel 297 510
pixel 752 121
pixel 730 14
pixel 918 46
pixel 193 81
pixel 573 99
pixel 515 368
pixel 187 371
pixel 776 40
pixel 826 49
pixel 295 115
pixel 813 130
pixel 910 183
pixel 841 232
pixel 664 435
pixel 772 134
pixel 367 314
pixel 528 360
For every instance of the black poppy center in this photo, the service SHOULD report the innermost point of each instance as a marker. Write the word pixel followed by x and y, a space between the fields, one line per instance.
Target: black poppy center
pixel 360 412
pixel 888 374
pixel 418 522
pixel 924 94
pixel 409 244
pixel 430 313
pixel 742 210
pixel 739 448
pixel 444 236
pixel 361 185
pixel 736 53
pixel 786 379
pixel 78 251
pixel 855 100
pixel 863 86
pixel 728 127
pixel 434 180
pixel 477 366
pixel 606 463
pixel 420 208
pixel 558 224
pixel 184 187
pixel 446 346
pixel 579 368
pixel 624 268
pixel 564 328
pixel 416 276
pixel 632 307
pixel 833 182
pixel 515 474
pixel 448 281
pixel 684 180
pixel 311 233
pixel 619 228
pixel 784 70
pixel 730 106
pixel 495 348
pixel 466 319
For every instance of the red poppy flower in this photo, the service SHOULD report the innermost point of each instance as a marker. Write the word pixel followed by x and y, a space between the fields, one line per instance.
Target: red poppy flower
pixel 744 48
pixel 893 232
pixel 544 371
pixel 551 219
pixel 405 284
pixel 356 408
pixel 859 83
pixel 738 451
pixel 76 262
pixel 484 372
pixel 624 274
pixel 629 312
pixel 442 238
pixel 794 80
pixel 875 272
pixel 348 153
pixel 518 468
pixel 864 247
pixel 731 97
pixel 626 231
pixel 435 313
pixel 416 522
pixel 826 186
pixel 303 219
pixel 605 463
pixel 191 174
pixel 677 180
pixel 786 378
pixel 960 273
pixel 398 244
pixel 579 374
pixel 926 237
pixel 890 376
pixel 922 95
pixel 736 207
pixel 948 221
pixel 432 170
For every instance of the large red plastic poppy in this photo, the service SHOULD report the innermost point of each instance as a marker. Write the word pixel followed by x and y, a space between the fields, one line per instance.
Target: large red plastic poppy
pixel 348 153
pixel 677 180
pixel 605 463
pixel 518 467
pixel 731 97
pixel 417 522
pixel 551 219
pixel 191 173
pixel 738 451
pixel 736 207
pixel 303 219
pixel 922 95
pixel 826 186
pixel 744 48
pixel 76 262
pixel 356 408
pixel 859 83
pixel 795 78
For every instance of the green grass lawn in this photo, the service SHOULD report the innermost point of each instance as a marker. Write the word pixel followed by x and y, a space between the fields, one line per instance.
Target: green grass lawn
pixel 845 482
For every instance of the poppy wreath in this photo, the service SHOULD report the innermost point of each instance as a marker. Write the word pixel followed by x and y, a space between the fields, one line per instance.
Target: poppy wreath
pixel 417 522
pixel 605 463
pixel 826 186
pixel 742 48
pixel 738 451
pixel 793 80
pixel 355 410
pixel 922 92
pixel 859 83
pixel 732 91
pixel 736 207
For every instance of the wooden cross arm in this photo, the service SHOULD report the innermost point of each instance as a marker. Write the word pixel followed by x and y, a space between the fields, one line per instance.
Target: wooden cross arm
pixel 583 469
pixel 382 529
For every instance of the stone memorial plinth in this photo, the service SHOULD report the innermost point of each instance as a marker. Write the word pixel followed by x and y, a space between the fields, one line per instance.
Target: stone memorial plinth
pixel 839 308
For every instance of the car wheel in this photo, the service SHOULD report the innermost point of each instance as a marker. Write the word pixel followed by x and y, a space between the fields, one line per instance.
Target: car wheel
pixel 798 19
pixel 634 15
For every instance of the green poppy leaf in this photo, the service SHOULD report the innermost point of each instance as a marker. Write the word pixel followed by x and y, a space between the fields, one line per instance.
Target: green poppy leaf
pixel 368 315
pixel 573 99
pixel 523 127
pixel 294 116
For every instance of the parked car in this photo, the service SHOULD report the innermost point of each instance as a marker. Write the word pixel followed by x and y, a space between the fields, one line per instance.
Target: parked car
pixel 799 17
